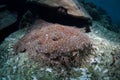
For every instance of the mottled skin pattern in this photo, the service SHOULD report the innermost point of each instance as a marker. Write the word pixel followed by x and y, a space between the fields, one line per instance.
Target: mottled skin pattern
pixel 56 45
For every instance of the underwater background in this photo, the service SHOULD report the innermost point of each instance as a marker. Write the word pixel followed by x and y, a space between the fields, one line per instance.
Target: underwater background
pixel 59 40
pixel 112 7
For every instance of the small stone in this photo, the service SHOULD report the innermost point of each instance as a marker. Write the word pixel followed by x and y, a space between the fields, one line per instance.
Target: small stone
pixel 105 71
pixel 96 32
pixel 97 68
pixel 49 69
pixel 34 77
pixel 14 69
pixel 3 78
pixel 106 78
pixel 93 61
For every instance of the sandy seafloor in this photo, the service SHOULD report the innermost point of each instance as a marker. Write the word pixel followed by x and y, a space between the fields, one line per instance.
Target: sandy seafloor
pixel 101 65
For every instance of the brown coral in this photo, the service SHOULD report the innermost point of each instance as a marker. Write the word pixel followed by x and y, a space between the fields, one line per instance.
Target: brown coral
pixel 55 44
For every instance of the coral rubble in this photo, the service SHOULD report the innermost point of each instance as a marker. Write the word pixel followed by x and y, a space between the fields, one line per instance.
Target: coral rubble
pixel 55 44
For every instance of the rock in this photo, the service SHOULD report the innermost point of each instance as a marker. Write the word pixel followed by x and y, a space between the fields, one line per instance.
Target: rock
pixel 66 12
pixel 8 24
pixel 72 6
pixel 6 19
pixel 2 7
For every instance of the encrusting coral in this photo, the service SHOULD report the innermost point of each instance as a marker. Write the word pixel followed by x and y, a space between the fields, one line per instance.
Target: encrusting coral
pixel 55 44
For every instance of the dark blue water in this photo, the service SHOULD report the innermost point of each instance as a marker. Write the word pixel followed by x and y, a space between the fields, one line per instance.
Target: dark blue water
pixel 112 7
